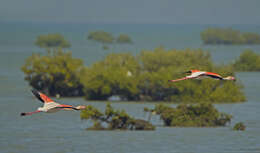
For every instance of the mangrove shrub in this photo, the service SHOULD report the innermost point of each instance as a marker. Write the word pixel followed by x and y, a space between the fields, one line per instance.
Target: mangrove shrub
pixel 54 73
pixel 52 41
pixel 239 127
pixel 106 38
pixel 101 36
pixel 228 36
pixel 145 78
pixel 113 119
pixel 247 61
pixel 184 115
pixel 124 39
pixel 115 75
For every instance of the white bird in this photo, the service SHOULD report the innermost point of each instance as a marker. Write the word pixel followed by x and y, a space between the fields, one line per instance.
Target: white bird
pixel 49 105
pixel 129 74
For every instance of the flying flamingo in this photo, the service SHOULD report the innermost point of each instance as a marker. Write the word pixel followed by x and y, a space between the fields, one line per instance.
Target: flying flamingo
pixel 49 105
pixel 197 74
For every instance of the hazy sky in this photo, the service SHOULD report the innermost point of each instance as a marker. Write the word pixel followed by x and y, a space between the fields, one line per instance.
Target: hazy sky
pixel 132 11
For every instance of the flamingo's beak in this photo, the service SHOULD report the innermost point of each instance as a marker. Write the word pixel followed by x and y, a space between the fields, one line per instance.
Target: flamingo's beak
pixel 233 79
pixel 81 107
pixel 23 114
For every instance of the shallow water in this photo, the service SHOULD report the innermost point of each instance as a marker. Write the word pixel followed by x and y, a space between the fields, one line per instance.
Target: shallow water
pixel 65 132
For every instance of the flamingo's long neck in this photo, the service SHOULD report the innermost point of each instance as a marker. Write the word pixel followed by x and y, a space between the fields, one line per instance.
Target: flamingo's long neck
pixel 30 113
pixel 229 78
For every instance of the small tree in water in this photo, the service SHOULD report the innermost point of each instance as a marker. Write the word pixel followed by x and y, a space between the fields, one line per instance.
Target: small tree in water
pixel 101 36
pixel 114 119
pixel 184 115
pixel 52 41
pixel 124 39
pixel 56 73
pixel 239 127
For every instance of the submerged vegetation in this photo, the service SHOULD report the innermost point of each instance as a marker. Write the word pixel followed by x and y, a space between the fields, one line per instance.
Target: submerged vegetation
pixel 113 120
pixel 184 115
pixel 239 127
pixel 248 61
pixel 228 36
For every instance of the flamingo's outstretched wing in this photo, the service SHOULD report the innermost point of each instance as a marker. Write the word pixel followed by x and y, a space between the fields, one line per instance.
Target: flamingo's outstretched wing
pixel 213 75
pixel 42 97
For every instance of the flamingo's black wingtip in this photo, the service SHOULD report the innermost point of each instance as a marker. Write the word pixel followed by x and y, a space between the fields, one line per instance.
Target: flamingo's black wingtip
pixel 37 94
pixel 34 91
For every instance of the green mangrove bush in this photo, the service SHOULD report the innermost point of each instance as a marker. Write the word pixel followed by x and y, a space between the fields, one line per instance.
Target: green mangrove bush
pixel 101 36
pixel 115 75
pixel 247 61
pixel 113 120
pixel 52 41
pixel 54 73
pixel 184 115
pixel 228 36
pixel 145 78
pixel 124 39
pixel 106 38
pixel 239 127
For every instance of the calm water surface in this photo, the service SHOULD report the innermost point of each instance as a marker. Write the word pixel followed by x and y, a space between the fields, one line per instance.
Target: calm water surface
pixel 65 132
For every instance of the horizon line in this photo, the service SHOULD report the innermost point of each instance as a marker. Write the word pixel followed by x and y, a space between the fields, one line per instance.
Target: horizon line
pixel 111 23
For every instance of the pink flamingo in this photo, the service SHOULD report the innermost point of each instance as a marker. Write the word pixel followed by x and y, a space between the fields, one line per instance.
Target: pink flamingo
pixel 50 106
pixel 197 74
